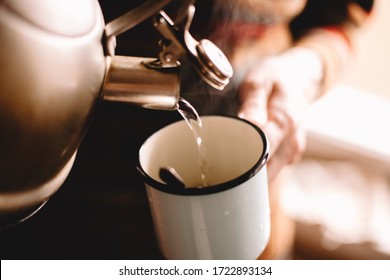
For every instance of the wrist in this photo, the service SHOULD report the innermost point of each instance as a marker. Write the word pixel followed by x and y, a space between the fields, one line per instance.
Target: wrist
pixel 309 66
pixel 332 48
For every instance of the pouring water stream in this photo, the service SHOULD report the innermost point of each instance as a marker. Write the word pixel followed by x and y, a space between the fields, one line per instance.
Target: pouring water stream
pixel 167 173
pixel 191 117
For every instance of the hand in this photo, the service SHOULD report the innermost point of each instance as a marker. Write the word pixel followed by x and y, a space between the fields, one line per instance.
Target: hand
pixel 275 95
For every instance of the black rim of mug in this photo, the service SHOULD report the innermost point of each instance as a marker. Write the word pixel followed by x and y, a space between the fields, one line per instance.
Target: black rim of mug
pixel 217 187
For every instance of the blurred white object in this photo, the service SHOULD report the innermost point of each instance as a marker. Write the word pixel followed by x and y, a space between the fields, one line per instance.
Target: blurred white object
pixel 350 124
pixel 339 194
pixel 341 209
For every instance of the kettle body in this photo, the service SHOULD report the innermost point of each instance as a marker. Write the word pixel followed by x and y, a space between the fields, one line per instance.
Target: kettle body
pixel 52 67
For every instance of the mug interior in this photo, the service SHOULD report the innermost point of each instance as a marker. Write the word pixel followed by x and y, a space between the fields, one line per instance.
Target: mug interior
pixel 235 150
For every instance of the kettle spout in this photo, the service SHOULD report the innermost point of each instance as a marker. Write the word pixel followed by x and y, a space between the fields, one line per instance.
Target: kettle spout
pixel 130 80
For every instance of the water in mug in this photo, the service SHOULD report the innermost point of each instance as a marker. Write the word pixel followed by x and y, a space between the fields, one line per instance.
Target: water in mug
pixel 191 117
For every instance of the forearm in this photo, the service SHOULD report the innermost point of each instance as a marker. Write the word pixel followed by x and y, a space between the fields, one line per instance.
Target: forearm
pixel 333 42
pixel 332 51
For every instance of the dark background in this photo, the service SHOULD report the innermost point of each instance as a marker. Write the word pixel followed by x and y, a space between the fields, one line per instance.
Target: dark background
pixel 101 211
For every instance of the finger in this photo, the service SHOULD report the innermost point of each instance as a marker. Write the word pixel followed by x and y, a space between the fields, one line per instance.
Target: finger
pixel 289 151
pixel 280 158
pixel 277 128
pixel 274 166
pixel 277 151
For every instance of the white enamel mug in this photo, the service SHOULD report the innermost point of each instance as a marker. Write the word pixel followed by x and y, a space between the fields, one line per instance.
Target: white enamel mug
pixel 228 219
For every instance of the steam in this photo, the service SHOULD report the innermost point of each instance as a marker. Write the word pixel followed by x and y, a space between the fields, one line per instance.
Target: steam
pixel 237 19
pixel 231 20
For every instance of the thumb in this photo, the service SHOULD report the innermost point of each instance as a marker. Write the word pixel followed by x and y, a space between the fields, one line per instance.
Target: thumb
pixel 254 112
pixel 254 105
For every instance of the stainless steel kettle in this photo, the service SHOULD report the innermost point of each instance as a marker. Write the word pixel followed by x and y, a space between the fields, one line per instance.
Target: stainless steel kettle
pixel 54 71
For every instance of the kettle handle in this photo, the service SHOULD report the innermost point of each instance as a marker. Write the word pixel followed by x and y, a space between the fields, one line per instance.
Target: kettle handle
pixel 134 17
